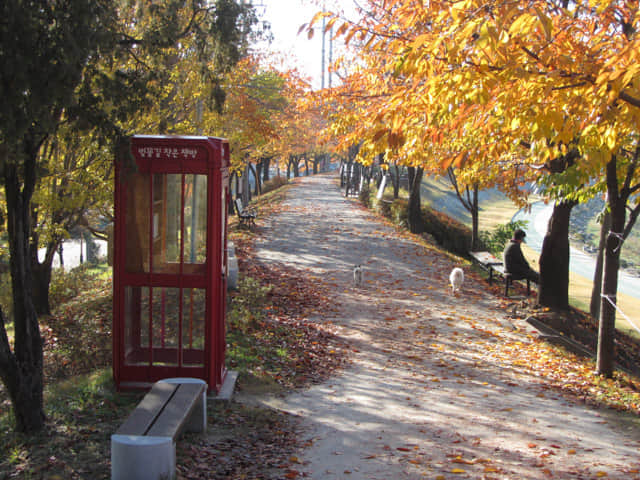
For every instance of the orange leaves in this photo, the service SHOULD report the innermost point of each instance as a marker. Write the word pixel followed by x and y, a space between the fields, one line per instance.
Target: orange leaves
pixel 465 90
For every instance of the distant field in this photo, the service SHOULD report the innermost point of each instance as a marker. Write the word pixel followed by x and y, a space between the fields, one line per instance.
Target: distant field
pixel 496 209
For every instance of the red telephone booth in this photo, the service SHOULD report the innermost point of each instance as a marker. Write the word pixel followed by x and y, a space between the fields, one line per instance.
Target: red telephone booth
pixel 169 298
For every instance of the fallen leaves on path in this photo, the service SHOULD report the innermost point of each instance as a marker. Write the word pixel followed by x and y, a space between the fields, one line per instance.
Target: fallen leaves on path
pixel 242 443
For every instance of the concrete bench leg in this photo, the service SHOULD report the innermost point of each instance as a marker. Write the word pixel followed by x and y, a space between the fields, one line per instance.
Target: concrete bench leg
pixel 142 458
pixel 198 421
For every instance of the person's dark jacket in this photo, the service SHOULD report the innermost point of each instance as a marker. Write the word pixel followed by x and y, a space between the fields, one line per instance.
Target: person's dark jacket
pixel 514 261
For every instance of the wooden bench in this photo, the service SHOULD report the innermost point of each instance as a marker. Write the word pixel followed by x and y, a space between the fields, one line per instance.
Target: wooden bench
pixel 488 262
pixel 247 216
pixel 508 280
pixel 144 446
pixel 494 266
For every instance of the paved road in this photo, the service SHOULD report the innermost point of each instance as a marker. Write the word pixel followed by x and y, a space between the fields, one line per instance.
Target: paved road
pixel 439 387
pixel 580 262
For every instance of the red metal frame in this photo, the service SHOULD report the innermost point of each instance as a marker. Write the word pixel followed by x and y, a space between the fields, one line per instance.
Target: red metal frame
pixel 136 365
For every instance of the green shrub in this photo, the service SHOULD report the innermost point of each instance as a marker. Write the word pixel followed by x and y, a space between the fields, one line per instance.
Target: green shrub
pixel 67 284
pixel 449 233
pixel 496 240
pixel 367 195
pixel 383 206
pixel 246 308
pixel 399 210
pixel 273 184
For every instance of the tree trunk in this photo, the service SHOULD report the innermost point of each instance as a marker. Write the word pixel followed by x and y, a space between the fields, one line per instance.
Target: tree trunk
pixel 607 323
pixel 22 370
pixel 41 274
pixel 594 306
pixel 266 164
pixel 348 174
pixel 553 290
pixel 475 218
pixel 294 164
pixel 469 200
pixel 396 182
pixel 416 224
pixel 256 176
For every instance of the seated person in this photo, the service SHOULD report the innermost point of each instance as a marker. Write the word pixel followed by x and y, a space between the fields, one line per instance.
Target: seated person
pixel 514 261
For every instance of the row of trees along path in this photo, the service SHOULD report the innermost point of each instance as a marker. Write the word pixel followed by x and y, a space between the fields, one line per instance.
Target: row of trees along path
pixel 439 386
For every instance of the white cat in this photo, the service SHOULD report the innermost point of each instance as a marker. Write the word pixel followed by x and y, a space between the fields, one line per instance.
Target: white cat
pixel 357 275
pixel 456 279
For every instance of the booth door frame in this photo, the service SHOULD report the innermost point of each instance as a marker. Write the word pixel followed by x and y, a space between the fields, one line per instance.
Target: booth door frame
pixel 124 373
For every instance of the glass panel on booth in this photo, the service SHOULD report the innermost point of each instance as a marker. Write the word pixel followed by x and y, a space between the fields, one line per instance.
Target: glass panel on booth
pixel 165 325
pixel 195 223
pixel 137 223
pixel 167 194
pixel 193 326
pixel 136 326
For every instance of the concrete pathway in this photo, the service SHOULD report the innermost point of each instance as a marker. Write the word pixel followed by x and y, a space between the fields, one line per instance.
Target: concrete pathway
pixel 433 390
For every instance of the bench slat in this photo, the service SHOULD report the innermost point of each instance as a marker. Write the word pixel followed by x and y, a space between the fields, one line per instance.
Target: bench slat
pixel 141 419
pixel 485 258
pixel 177 411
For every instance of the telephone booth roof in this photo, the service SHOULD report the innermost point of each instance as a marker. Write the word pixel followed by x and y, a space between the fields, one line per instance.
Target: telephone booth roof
pixel 178 153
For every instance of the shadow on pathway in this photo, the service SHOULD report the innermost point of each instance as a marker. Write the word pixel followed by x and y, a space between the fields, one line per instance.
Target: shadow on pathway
pixel 429 393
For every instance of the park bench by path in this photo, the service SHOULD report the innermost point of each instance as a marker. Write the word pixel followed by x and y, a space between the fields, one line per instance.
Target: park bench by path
pixel 144 447
pixel 246 215
pixel 488 262
pixel 495 267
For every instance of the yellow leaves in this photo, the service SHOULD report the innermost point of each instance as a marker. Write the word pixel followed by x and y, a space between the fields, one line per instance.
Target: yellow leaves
pixel 546 23
pixel 461 460
pixel 631 73
pixel 379 134
pixel 317 17
pixel 329 25
pixel 421 40
pixel 523 25
pixel 468 89
pixel 610 138
pixel 342 29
